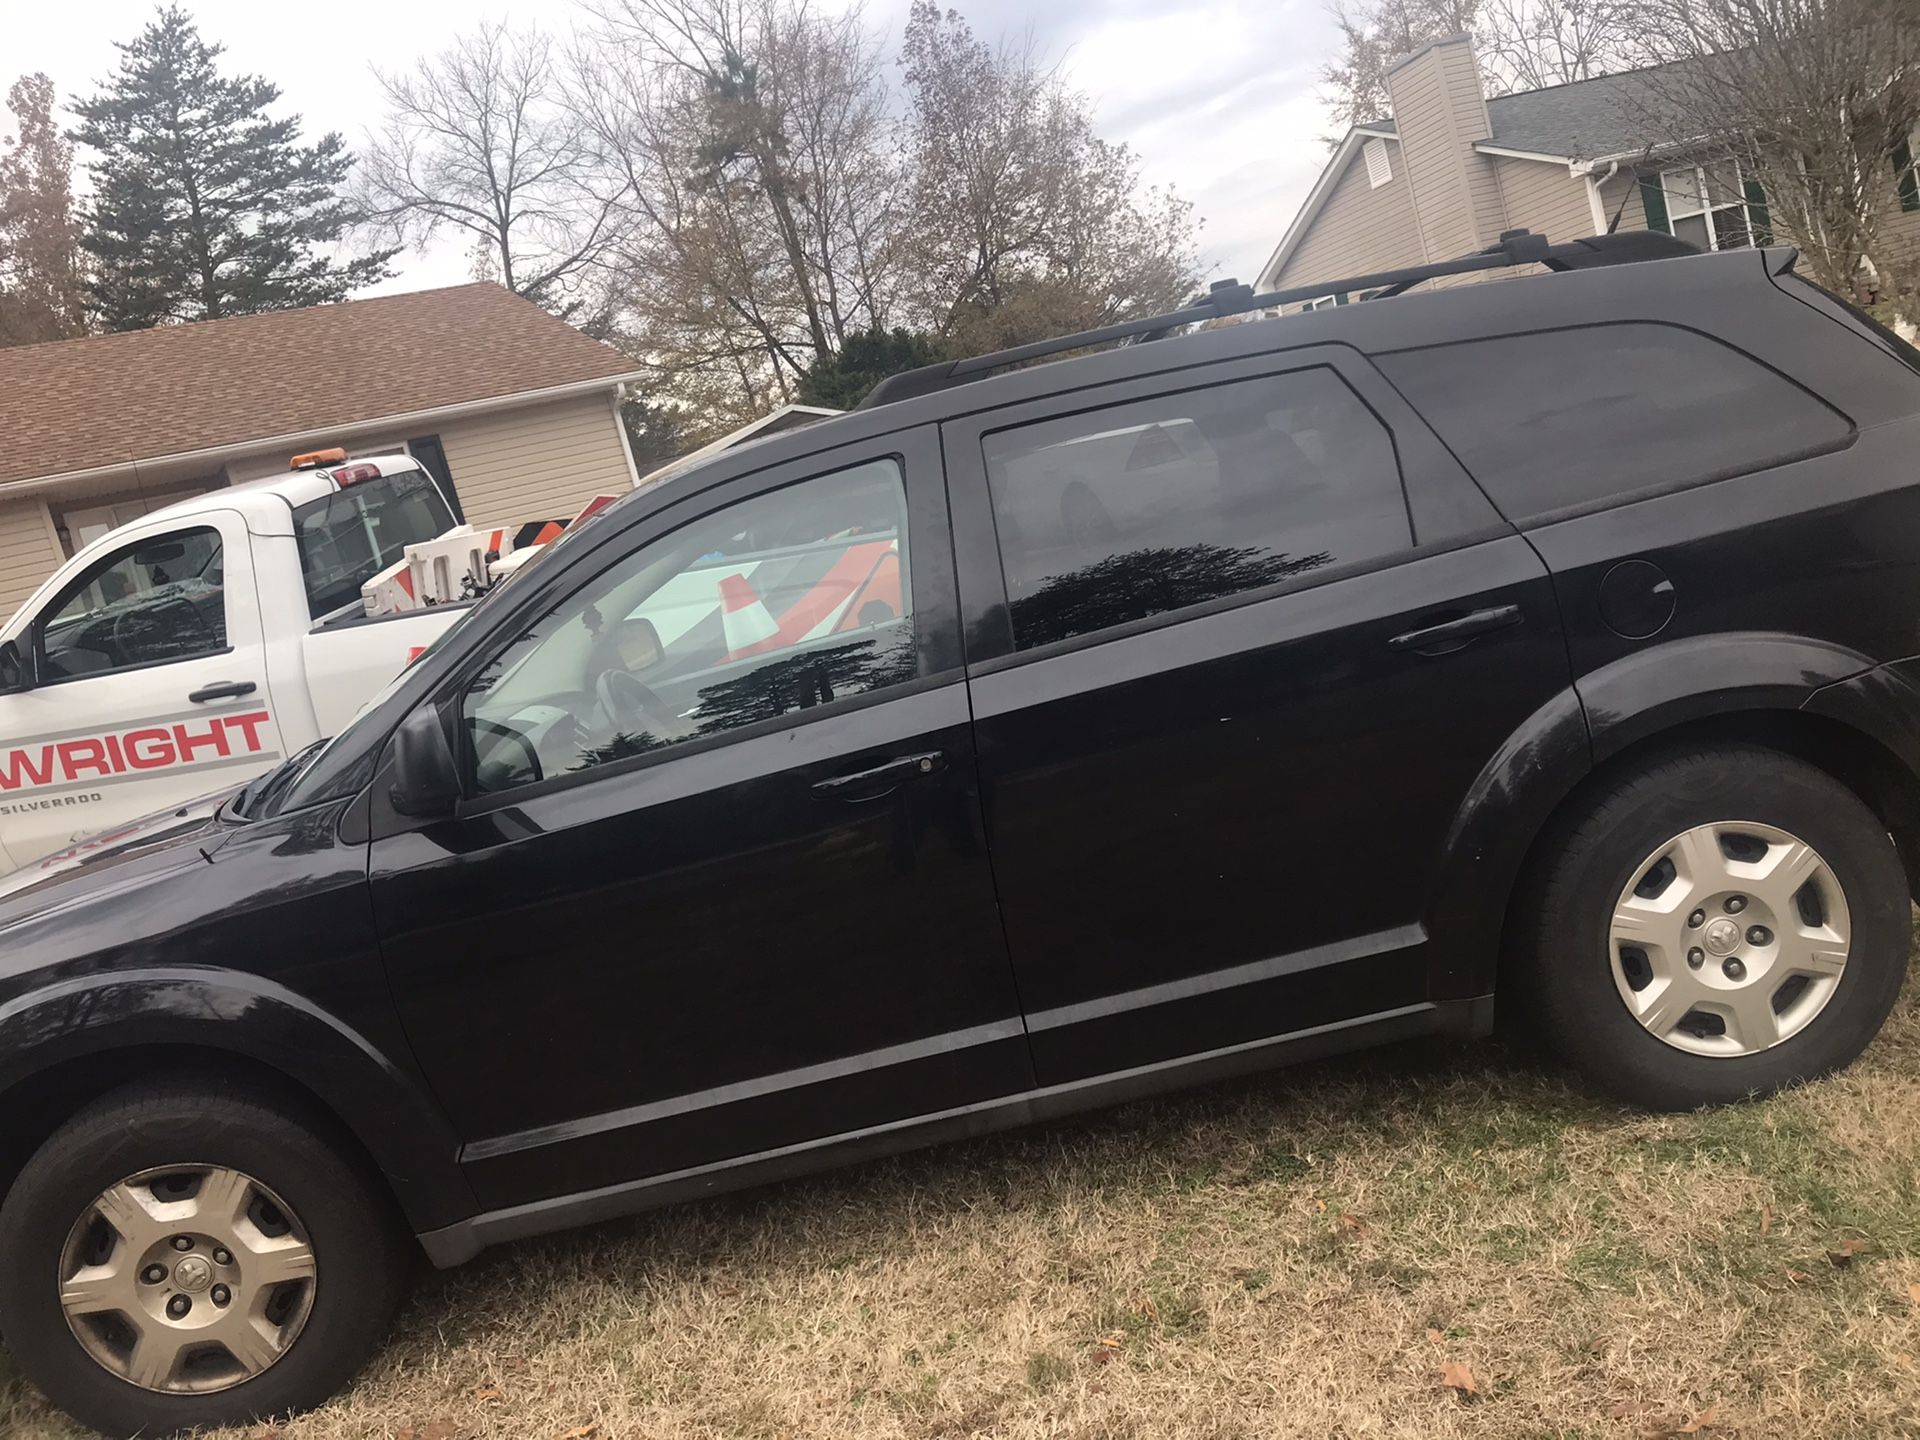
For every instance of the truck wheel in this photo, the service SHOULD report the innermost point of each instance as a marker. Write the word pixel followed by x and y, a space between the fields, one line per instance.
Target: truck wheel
pixel 1721 923
pixel 182 1255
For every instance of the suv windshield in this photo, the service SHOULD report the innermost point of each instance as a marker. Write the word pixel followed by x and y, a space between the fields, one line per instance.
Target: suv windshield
pixel 350 536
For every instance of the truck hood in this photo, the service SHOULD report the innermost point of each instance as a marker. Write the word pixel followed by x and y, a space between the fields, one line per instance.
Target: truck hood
pixel 192 823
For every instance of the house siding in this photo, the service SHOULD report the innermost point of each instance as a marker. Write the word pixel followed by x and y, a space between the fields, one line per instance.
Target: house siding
pixel 539 462
pixel 29 550
pixel 1545 199
pixel 1359 229
pixel 1440 110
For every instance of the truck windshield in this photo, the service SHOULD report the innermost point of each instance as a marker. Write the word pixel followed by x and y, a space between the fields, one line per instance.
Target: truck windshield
pixel 350 536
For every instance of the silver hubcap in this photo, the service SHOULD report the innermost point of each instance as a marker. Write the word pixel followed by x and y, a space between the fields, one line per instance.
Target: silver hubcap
pixel 187 1280
pixel 1729 938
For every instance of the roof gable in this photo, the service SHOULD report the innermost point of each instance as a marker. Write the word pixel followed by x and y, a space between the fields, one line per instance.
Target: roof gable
pixel 108 400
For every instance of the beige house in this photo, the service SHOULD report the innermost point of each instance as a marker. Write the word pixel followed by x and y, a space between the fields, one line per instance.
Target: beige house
pixel 513 409
pixel 1452 169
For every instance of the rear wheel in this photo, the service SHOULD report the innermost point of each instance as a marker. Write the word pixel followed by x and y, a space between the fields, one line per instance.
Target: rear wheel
pixel 181 1256
pixel 1718 924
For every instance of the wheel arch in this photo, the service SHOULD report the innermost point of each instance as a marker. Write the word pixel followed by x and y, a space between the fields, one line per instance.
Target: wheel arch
pixel 66 1048
pixel 1853 756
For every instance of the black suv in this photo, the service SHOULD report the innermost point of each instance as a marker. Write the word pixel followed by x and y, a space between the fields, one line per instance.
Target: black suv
pixel 1017 743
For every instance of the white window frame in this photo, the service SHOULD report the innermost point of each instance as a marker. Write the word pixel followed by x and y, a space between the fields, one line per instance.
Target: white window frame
pixel 1379 163
pixel 1693 192
pixel 1323 302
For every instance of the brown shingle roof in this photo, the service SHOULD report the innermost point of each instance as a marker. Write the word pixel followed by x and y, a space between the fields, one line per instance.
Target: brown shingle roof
pixel 113 399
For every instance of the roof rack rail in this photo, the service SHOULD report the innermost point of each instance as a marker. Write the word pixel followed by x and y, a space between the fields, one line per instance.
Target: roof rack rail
pixel 1230 297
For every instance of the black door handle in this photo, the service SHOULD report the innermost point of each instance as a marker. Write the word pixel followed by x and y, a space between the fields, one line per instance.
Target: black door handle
pixel 223 690
pixel 881 779
pixel 1451 635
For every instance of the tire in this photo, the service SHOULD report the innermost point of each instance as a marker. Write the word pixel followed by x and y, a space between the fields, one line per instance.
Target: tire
pixel 1576 966
pixel 176 1133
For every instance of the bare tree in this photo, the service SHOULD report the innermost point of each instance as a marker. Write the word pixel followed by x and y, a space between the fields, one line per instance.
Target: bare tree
pixel 1374 35
pixel 753 139
pixel 1534 44
pixel 42 292
pixel 1808 100
pixel 476 140
pixel 1520 44
pixel 1024 221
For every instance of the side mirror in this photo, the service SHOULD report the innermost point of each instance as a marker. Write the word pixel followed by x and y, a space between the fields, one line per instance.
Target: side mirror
pixel 14 676
pixel 425 781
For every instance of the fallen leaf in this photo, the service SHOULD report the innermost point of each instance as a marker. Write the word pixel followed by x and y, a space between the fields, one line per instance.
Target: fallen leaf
pixel 1625 1408
pixel 490 1395
pixel 1321 1206
pixel 1913 1293
pixel 1353 1223
pixel 1436 1337
pixel 1108 1347
pixel 1849 1248
pixel 1798 1277
pixel 1705 1420
pixel 1455 1375
pixel 1766 1221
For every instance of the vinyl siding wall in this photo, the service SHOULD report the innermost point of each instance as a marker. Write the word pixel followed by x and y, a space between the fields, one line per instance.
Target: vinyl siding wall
pixel 1544 198
pixel 1439 110
pixel 29 551
pixel 540 462
pixel 1359 229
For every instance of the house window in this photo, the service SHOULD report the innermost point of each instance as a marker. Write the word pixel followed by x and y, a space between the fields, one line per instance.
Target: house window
pixel 1379 164
pixel 1325 302
pixel 1707 206
pixel 86 522
pixel 1906 169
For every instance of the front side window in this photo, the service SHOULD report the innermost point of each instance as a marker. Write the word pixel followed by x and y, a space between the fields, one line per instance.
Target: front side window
pixel 157 600
pixel 1563 418
pixel 1129 511
pixel 350 536
pixel 794 599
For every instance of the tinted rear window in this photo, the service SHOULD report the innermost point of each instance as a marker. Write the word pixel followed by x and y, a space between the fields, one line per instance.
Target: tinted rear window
pixel 353 534
pixel 1565 418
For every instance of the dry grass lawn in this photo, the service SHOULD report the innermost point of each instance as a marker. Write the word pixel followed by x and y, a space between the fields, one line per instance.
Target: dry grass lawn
pixel 1299 1255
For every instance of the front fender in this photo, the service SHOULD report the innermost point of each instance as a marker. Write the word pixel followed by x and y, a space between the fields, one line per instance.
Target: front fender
pixel 227 1012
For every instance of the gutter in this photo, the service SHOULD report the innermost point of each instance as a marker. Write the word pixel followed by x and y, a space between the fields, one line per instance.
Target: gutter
pixel 218 454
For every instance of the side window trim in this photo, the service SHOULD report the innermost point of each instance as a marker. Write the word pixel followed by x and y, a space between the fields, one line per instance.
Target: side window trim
pixel 36 630
pixel 1418 457
pixel 915 451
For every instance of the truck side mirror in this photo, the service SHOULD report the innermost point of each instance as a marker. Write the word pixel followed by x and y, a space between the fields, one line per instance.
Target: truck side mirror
pixel 425 781
pixel 14 676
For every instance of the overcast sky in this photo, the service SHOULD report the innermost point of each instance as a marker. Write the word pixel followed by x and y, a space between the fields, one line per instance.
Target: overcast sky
pixel 1218 98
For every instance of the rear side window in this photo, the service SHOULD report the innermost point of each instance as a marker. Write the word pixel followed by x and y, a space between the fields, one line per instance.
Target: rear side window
pixel 353 534
pixel 1134 510
pixel 1560 419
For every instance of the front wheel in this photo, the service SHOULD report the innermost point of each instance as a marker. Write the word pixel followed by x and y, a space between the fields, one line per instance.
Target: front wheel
pixel 1718 924
pixel 185 1256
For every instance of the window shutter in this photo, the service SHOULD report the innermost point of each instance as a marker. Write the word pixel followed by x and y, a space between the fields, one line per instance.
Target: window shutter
pixel 1759 225
pixel 1655 200
pixel 1909 177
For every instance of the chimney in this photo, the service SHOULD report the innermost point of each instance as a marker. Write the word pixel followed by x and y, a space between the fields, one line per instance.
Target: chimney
pixel 1439 110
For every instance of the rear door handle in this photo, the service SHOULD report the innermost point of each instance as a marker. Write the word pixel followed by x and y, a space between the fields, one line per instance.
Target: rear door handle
pixel 223 690
pixel 881 779
pixel 1451 635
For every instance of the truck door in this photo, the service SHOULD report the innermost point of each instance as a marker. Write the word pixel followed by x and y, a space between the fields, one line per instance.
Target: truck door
pixel 149 687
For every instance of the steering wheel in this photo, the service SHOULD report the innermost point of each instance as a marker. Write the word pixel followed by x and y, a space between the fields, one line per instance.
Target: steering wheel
pixel 630 704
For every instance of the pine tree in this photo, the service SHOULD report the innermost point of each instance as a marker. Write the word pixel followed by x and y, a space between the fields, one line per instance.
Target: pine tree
pixel 203 205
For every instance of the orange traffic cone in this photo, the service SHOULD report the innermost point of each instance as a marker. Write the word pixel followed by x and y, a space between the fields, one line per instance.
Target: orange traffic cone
pixel 744 618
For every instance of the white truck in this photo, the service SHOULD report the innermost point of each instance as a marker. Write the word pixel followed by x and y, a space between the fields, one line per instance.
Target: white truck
pixel 192 649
